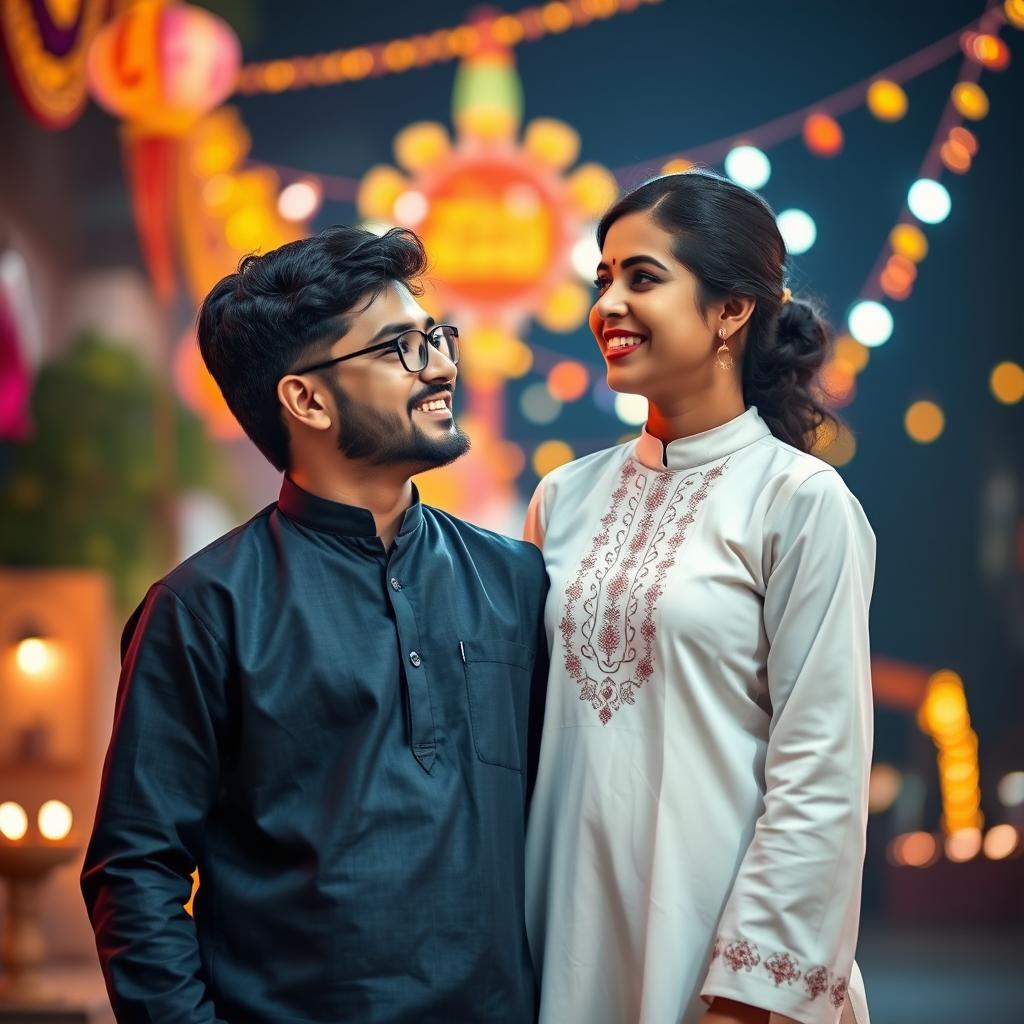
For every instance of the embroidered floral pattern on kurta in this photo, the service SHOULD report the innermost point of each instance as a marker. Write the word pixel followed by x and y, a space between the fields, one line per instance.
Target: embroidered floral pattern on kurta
pixel 620 580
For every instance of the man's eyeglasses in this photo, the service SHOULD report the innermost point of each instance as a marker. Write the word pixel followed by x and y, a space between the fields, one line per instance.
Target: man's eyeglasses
pixel 411 347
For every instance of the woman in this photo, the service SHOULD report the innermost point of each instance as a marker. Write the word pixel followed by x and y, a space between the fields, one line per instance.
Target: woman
pixel 697 831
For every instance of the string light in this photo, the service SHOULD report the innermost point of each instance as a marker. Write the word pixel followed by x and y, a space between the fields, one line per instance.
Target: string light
pixel 798 230
pixel 748 166
pixel 403 54
pixel 924 422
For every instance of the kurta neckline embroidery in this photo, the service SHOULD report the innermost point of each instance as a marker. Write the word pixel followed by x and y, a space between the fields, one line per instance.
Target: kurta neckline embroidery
pixel 636 544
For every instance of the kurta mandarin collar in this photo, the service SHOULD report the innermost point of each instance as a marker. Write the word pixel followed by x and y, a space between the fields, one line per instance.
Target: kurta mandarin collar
pixel 335 517
pixel 699 449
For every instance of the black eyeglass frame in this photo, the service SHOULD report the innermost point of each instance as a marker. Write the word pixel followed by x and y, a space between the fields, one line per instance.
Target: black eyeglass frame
pixel 428 336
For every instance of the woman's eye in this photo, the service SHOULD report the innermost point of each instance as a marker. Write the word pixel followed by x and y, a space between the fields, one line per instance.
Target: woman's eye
pixel 600 284
pixel 643 278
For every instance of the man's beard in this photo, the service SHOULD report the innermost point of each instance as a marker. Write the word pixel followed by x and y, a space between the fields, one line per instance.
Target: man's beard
pixel 384 438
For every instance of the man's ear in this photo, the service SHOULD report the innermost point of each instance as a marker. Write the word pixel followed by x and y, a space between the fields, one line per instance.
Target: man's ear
pixel 306 401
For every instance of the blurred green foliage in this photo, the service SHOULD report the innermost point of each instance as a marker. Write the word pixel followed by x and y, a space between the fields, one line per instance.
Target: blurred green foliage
pixel 83 490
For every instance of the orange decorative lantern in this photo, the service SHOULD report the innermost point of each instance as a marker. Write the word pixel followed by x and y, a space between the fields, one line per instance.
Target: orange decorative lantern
pixel 161 66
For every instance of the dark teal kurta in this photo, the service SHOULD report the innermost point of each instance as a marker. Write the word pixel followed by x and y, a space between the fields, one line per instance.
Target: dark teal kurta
pixel 341 738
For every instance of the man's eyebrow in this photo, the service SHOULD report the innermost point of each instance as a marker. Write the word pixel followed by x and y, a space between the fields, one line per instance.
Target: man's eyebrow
pixel 401 328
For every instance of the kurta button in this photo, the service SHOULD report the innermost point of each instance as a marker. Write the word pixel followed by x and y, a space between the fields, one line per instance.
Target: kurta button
pixel 415 659
pixel 395 585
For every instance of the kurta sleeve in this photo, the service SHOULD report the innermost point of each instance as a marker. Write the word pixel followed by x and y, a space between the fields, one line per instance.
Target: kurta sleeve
pixel 534 528
pixel 787 935
pixel 160 779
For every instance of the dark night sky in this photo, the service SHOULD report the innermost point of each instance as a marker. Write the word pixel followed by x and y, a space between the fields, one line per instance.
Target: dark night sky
pixel 672 76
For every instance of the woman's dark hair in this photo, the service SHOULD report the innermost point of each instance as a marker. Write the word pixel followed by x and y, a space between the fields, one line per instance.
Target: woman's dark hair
pixel 727 237
pixel 291 304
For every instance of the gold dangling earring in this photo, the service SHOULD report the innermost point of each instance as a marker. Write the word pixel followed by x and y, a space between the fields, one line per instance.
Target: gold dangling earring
pixel 723 356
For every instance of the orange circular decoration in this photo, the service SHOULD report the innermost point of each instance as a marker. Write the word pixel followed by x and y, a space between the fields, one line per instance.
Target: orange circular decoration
pixel 495 228
pixel 987 50
pixel 895 287
pixel 965 138
pixel 568 381
pixel 162 66
pixel 822 135
pixel 955 156
pixel 901 268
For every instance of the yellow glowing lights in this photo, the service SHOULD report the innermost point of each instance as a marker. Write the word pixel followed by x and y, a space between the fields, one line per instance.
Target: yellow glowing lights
pixel 552 142
pixel 909 240
pixel 886 100
pixel 924 422
pixel 944 716
pixel 54 820
pixel 34 656
pixel 851 354
pixel 593 189
pixel 549 455
pixel 1007 383
pixel 13 820
pixel 422 144
pixel 836 445
pixel 565 308
pixel 1014 11
pixel 970 100
pixel 987 50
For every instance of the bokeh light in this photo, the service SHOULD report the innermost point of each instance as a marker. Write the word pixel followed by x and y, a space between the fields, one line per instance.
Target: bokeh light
pixel 870 323
pixel 1007 383
pixel 909 240
pixel 748 166
pixel 1011 789
pixel 884 787
pixel 54 820
pixel 913 849
pixel 798 230
pixel 33 656
pixel 929 201
pixel 13 820
pixel 964 844
pixel 568 380
pixel 1000 841
pixel 538 405
pixel 631 409
pixel 585 257
pixel 970 100
pixel 549 455
pixel 822 135
pixel 835 444
pixel 851 353
pixel 886 100
pixel 924 422
pixel 299 200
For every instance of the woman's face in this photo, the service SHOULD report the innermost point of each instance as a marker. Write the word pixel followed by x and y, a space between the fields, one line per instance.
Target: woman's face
pixel 646 320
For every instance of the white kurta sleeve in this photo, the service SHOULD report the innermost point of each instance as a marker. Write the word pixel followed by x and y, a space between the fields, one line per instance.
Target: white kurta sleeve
pixel 534 528
pixel 787 935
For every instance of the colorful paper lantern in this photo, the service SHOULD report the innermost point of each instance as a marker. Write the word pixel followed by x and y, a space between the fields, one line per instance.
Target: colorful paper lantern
pixel 162 66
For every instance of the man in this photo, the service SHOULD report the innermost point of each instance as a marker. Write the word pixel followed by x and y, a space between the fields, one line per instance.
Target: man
pixel 332 710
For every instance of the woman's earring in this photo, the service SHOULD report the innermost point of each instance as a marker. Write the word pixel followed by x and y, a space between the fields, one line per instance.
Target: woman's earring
pixel 723 356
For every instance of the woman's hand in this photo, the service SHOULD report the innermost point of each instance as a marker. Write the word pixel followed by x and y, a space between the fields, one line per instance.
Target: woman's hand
pixel 728 1011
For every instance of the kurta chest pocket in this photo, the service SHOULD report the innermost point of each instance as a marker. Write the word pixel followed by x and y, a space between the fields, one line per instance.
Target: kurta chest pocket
pixel 498 690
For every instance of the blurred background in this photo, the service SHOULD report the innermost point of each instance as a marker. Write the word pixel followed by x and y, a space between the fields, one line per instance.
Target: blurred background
pixel 147 146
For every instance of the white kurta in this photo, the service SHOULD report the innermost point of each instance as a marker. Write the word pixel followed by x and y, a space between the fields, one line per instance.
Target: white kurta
pixel 697 827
